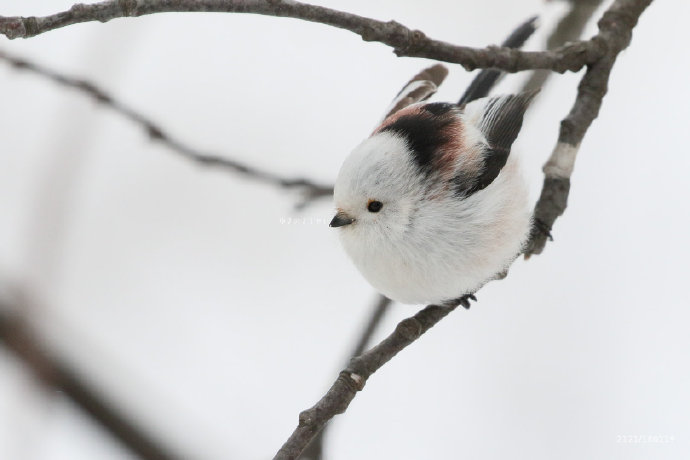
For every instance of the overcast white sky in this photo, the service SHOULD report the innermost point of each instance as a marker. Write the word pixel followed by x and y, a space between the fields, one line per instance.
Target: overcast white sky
pixel 180 293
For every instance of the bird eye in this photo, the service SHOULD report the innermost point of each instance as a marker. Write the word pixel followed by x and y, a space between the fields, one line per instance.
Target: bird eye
pixel 374 206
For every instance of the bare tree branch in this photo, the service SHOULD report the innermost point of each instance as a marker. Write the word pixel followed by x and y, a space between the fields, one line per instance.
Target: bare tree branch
pixel 310 190
pixel 616 31
pixel 615 27
pixel 403 40
pixel 352 379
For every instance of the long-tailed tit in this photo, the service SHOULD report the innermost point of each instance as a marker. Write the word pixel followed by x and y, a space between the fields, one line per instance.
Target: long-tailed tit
pixel 432 205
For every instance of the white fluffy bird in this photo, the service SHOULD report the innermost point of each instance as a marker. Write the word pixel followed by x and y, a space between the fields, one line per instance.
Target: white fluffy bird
pixel 432 205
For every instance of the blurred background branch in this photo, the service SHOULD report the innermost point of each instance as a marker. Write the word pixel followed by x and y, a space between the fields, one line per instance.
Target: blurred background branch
pixel 308 189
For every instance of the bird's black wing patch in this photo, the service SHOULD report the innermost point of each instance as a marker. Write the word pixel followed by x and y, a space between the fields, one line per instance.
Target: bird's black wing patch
pixel 500 122
pixel 424 134
pixel 502 119
pixel 494 161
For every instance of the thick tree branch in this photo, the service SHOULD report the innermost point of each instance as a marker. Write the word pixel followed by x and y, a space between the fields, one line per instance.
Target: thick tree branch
pixel 310 190
pixel 403 40
pixel 615 28
pixel 616 31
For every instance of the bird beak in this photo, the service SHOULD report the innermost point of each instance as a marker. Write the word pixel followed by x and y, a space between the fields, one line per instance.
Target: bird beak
pixel 341 219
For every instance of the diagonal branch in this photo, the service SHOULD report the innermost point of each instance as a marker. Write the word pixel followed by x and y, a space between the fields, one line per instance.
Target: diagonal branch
pixel 615 27
pixel 616 30
pixel 310 190
pixel 352 379
pixel 403 40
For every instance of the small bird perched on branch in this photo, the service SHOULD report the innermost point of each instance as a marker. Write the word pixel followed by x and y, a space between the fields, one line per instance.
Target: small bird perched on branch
pixel 432 205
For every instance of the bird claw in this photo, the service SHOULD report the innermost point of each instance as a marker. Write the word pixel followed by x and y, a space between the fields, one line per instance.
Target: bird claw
pixel 462 300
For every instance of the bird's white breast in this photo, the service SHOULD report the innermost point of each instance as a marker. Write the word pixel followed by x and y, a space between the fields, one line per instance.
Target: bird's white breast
pixel 451 247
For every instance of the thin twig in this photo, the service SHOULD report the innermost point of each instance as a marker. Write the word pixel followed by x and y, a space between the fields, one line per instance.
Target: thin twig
pixel 403 40
pixel 615 31
pixel 310 190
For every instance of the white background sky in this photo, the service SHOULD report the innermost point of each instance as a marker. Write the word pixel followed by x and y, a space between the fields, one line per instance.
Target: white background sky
pixel 179 292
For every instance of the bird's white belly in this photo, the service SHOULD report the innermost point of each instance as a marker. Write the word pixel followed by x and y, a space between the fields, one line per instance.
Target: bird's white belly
pixel 413 277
